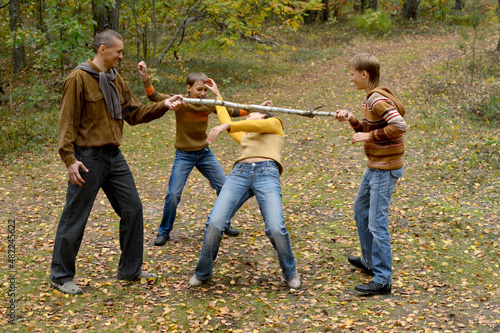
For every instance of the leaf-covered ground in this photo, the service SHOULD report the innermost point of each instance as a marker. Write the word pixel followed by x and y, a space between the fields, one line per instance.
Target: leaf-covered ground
pixel 444 217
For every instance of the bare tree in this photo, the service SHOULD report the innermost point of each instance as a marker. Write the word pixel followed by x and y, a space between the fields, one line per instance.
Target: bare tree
pixel 107 17
pixel 498 12
pixel 188 19
pixel 40 4
pixel 18 52
pixel 410 9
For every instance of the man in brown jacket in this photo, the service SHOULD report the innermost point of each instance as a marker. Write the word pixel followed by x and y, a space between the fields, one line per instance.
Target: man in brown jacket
pixel 95 103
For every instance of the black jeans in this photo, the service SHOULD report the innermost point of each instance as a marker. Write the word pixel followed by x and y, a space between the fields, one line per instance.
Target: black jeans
pixel 107 170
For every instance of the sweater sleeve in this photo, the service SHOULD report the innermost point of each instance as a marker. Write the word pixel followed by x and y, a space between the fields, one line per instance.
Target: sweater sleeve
pixel 270 125
pixel 135 112
pixel 396 125
pixel 356 125
pixel 153 95
pixel 224 118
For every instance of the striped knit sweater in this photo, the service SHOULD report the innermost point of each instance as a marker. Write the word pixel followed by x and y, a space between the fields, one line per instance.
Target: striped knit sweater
pixel 383 119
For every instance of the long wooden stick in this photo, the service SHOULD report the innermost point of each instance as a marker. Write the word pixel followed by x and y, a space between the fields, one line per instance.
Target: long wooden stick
pixel 247 107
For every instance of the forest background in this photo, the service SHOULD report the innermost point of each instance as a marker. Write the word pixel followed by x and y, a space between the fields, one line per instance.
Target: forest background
pixel 440 56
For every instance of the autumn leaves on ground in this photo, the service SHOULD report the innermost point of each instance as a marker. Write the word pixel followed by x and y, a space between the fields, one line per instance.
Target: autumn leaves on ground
pixel 444 215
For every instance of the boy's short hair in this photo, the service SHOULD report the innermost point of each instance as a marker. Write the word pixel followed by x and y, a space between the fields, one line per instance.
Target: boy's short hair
pixel 193 77
pixel 369 63
pixel 105 37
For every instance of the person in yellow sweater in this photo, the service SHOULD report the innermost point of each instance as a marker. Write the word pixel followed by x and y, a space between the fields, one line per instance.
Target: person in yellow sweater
pixel 256 172
pixel 191 146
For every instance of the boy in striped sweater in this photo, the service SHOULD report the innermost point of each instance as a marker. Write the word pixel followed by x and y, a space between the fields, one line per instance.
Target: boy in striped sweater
pixel 382 130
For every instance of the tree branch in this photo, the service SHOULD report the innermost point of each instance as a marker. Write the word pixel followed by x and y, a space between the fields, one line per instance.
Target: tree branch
pixel 259 40
pixel 3 6
pixel 185 22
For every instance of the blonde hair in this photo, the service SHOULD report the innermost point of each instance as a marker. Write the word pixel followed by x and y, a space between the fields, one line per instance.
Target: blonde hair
pixel 369 63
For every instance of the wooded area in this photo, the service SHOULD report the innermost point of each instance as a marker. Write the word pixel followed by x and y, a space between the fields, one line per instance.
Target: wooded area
pixel 444 215
pixel 54 33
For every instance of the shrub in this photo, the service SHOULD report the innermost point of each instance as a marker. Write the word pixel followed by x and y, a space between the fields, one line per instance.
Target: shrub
pixel 374 21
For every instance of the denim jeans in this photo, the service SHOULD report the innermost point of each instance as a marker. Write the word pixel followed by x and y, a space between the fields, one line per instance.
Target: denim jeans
pixel 371 212
pixel 262 180
pixel 184 163
pixel 107 170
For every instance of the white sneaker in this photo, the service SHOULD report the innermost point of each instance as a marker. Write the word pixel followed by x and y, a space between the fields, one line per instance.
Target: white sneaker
pixel 195 282
pixel 68 287
pixel 295 282
pixel 148 276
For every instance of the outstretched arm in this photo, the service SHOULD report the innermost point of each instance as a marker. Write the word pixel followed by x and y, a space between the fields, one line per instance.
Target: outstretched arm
pixel 148 87
pixel 214 132
pixel 344 115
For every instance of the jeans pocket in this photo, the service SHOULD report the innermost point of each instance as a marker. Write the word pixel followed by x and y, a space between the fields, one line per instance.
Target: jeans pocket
pixel 86 153
pixel 398 173
pixel 271 171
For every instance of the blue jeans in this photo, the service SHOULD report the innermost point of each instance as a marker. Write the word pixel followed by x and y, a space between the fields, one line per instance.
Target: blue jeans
pixel 371 212
pixel 184 163
pixel 247 179
pixel 107 170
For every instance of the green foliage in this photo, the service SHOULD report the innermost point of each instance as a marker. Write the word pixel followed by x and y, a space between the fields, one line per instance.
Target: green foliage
pixel 36 125
pixel 26 132
pixel 446 206
pixel 488 108
pixel 374 21
pixel 67 37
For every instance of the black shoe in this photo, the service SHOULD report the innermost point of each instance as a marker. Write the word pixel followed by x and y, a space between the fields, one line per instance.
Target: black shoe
pixel 162 239
pixel 230 231
pixel 374 288
pixel 356 262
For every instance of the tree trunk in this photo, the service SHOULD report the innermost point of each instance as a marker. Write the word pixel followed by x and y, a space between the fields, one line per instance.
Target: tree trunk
pixel 498 13
pixel 374 4
pixel 18 53
pixel 459 4
pixel 155 30
pixel 40 10
pixel 410 9
pixel 325 12
pixel 322 14
pixel 145 33
pixel 360 6
pixel 105 16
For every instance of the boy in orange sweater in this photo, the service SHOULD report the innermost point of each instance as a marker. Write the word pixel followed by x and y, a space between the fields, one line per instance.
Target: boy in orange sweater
pixel 382 131
pixel 191 146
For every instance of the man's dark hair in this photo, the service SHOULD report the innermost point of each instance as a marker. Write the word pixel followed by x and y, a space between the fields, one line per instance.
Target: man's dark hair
pixel 107 38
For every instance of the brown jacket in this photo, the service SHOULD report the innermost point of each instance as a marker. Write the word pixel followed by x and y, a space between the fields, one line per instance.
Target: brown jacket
pixel 84 118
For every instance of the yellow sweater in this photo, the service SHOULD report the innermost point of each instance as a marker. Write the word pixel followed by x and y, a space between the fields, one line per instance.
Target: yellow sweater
pixel 258 138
